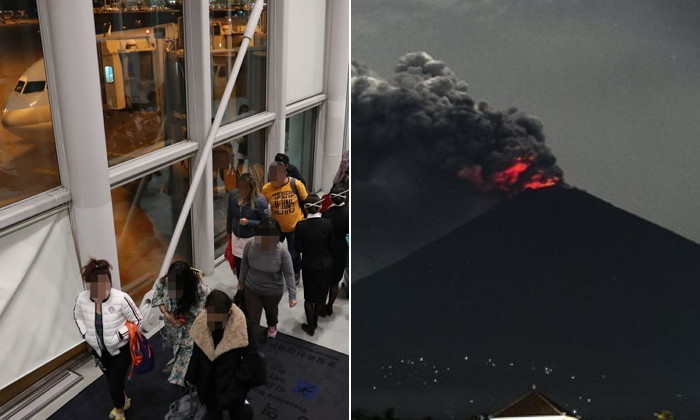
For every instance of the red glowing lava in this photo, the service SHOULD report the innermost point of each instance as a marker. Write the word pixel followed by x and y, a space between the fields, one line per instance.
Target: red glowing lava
pixel 511 180
pixel 510 176
pixel 538 181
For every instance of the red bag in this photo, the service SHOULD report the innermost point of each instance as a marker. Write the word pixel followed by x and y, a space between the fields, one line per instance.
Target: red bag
pixel 142 358
pixel 228 254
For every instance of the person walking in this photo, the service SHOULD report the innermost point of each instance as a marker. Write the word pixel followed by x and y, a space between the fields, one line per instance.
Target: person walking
pixel 286 196
pixel 246 208
pixel 224 358
pixel 313 240
pixel 180 295
pixel 101 313
pixel 265 268
pixel 339 215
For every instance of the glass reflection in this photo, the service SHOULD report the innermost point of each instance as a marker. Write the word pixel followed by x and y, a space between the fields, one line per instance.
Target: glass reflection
pixel 231 159
pixel 28 163
pixel 228 21
pixel 145 214
pixel 142 72
pixel 300 144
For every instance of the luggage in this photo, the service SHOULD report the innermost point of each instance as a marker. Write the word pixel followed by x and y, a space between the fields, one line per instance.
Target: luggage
pixel 187 407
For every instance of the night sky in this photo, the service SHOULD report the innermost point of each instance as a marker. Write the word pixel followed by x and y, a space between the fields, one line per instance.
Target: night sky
pixel 615 83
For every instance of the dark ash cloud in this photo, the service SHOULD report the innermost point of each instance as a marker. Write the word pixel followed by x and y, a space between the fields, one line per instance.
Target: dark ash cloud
pixel 425 110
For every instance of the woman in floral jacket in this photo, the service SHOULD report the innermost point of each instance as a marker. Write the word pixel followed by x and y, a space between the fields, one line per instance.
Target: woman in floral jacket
pixel 180 296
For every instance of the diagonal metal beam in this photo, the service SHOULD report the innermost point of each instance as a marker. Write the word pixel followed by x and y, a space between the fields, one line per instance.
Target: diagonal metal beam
pixel 206 149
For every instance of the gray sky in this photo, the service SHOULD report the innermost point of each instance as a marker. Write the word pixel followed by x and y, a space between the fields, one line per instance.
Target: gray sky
pixel 614 82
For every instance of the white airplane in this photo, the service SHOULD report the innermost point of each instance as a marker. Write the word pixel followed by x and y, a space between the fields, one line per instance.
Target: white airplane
pixel 27 113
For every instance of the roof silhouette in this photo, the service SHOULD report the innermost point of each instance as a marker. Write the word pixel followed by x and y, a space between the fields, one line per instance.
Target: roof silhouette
pixel 534 403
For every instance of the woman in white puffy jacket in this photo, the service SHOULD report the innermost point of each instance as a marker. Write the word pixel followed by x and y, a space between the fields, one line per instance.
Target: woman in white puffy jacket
pixel 100 314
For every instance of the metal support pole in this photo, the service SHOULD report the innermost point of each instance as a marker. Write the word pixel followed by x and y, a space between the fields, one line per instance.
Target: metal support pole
pixel 74 74
pixel 206 149
pixel 337 89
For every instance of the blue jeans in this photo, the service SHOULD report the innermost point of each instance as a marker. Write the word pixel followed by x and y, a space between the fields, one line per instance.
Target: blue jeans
pixel 296 257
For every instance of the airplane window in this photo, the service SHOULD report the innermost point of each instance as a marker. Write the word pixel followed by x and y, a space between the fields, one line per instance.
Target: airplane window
pixel 33 87
pixel 19 86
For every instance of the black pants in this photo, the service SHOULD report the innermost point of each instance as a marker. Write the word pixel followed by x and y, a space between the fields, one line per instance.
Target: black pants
pixel 216 412
pixel 238 261
pixel 115 369
pixel 296 257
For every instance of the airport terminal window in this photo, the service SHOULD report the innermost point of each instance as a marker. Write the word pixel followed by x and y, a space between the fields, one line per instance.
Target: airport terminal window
pixel 300 144
pixel 228 21
pixel 28 162
pixel 145 214
pixel 231 159
pixel 140 50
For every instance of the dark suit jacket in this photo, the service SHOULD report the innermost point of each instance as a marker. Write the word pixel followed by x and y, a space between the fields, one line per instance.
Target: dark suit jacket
pixel 340 219
pixel 313 239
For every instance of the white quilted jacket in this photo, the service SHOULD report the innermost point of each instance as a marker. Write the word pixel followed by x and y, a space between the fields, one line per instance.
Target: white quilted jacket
pixel 116 310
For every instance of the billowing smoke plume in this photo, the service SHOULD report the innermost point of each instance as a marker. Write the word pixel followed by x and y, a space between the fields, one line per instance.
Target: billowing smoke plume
pixel 426 110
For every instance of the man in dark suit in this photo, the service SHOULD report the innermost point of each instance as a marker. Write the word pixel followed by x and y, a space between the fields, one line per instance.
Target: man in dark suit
pixel 313 240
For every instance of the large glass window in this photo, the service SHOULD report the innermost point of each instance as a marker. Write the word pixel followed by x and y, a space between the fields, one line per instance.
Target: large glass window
pixel 28 163
pixel 228 21
pixel 300 144
pixel 145 214
pixel 240 155
pixel 141 56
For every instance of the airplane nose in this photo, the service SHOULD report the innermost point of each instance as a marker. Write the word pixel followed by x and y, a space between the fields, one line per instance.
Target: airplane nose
pixel 24 116
pixel 13 118
pixel 9 118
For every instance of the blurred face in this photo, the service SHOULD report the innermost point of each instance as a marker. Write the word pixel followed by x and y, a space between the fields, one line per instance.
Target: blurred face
pixel 99 290
pixel 175 290
pixel 277 176
pixel 216 320
pixel 268 242
pixel 244 189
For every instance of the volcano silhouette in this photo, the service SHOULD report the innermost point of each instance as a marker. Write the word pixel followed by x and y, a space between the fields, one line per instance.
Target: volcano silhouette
pixel 554 287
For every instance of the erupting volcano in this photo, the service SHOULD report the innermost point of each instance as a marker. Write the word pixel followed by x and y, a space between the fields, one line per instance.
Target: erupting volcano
pixel 425 109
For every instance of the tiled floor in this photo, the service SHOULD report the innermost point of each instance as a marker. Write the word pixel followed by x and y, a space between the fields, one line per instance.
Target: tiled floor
pixel 332 333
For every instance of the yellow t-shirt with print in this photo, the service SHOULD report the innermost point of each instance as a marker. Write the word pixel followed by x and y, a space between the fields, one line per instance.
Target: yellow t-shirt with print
pixel 285 204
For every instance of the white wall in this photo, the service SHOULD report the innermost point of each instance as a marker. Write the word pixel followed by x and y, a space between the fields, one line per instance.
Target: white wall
pixel 305 38
pixel 39 283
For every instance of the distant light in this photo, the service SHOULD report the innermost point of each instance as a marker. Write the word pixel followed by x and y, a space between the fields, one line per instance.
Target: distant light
pixel 109 74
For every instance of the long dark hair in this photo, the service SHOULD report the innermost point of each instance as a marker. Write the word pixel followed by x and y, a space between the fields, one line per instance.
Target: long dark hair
pixel 186 280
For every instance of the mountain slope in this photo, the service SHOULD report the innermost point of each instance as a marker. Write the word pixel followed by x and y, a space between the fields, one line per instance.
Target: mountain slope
pixel 553 287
